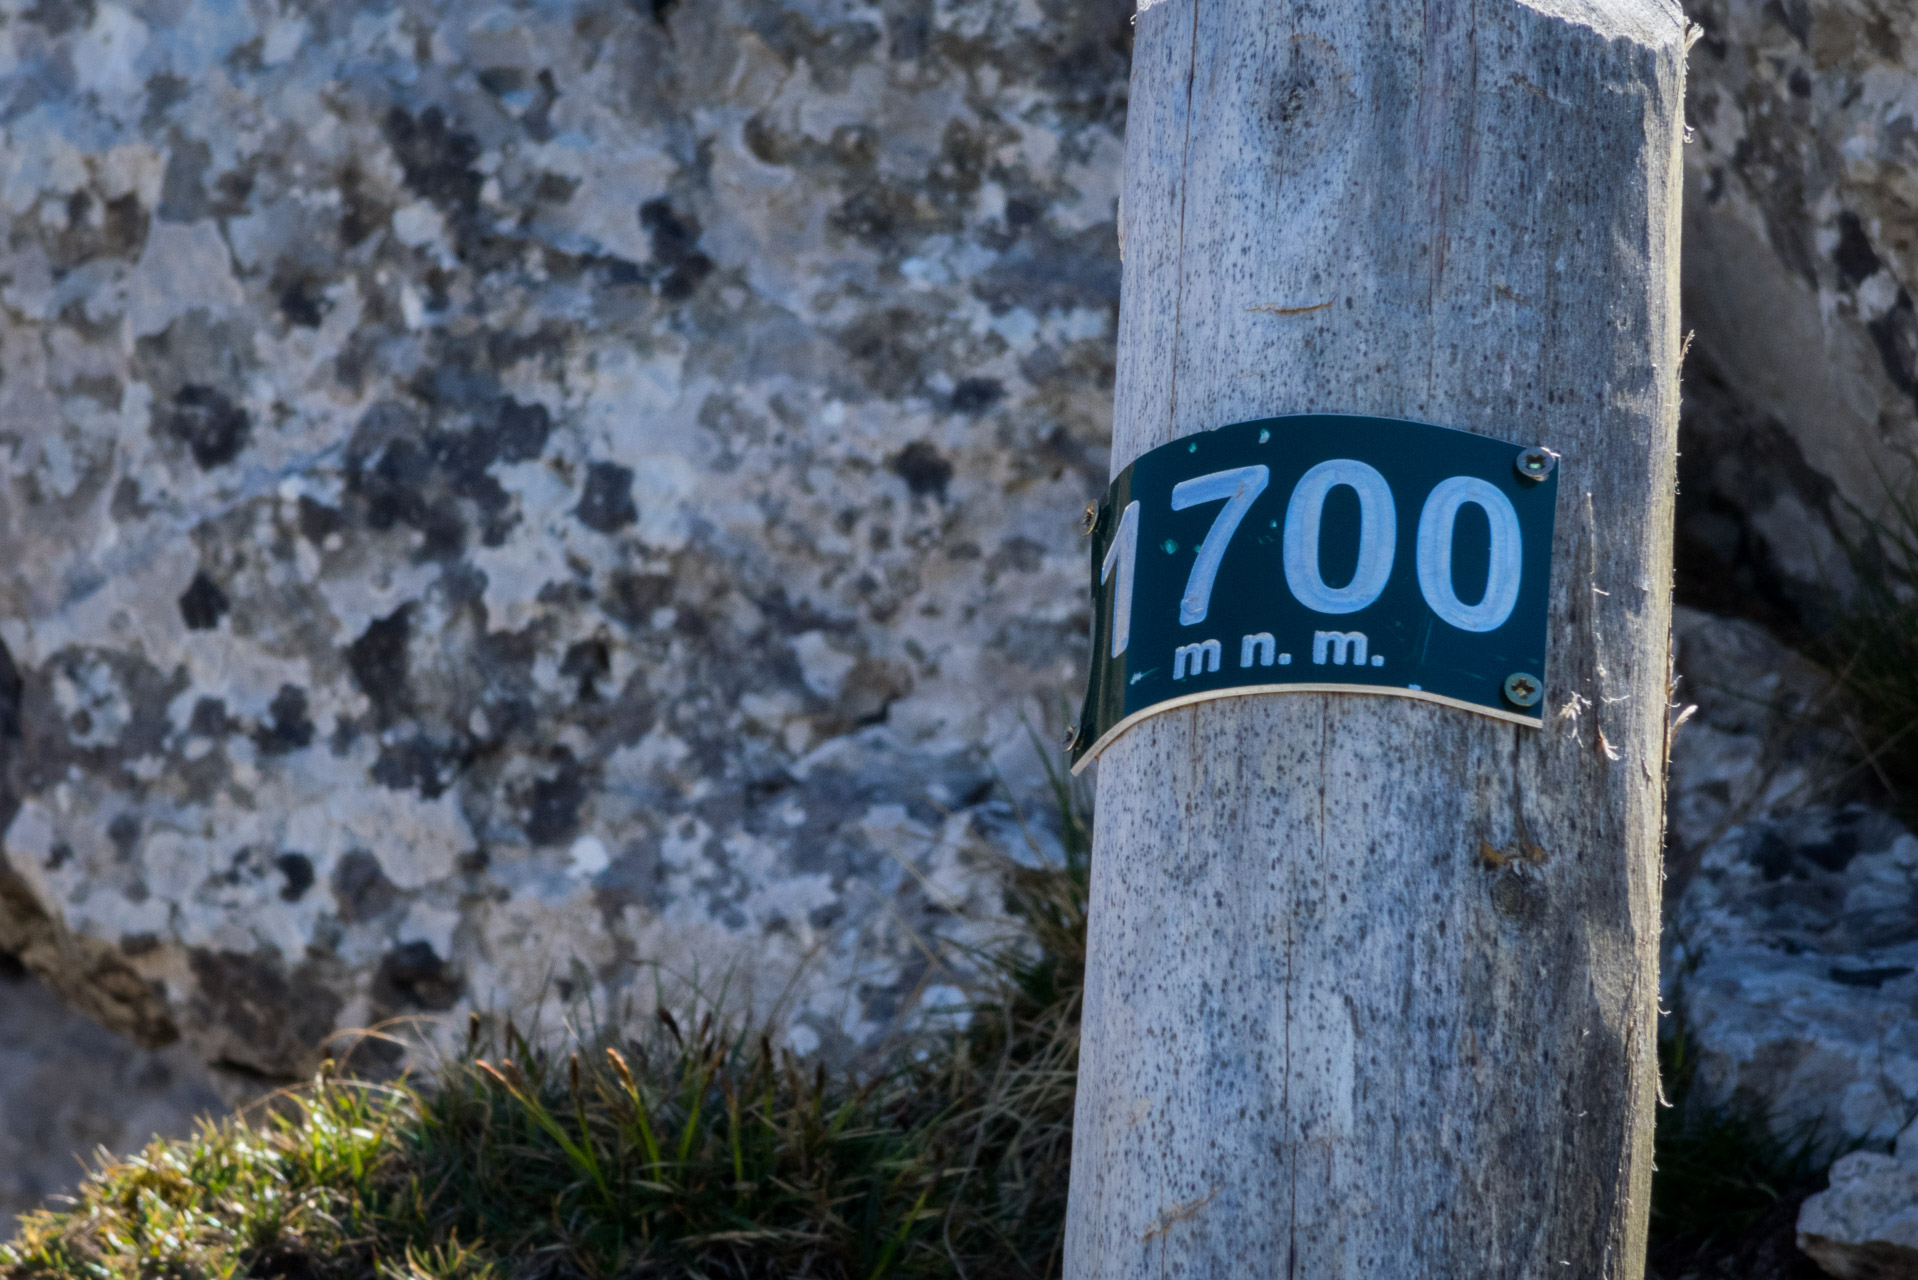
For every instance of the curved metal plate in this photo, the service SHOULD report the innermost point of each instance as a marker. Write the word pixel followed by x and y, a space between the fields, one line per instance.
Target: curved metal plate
pixel 1321 553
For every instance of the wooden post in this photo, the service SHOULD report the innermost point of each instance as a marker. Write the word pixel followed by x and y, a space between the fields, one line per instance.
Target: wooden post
pixel 1372 982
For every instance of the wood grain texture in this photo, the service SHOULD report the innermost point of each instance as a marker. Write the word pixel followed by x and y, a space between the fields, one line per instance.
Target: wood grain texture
pixel 1325 1034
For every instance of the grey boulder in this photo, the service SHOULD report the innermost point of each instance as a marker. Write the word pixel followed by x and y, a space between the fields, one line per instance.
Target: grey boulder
pixel 1866 1226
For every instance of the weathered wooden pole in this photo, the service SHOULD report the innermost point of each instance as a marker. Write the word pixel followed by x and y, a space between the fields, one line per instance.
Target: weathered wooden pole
pixel 1372 981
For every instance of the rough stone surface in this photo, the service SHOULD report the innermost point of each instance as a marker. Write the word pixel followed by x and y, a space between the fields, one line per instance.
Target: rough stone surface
pixel 1761 735
pixel 1791 952
pixel 1866 1226
pixel 69 1087
pixel 496 498
pixel 1801 251
pixel 1793 962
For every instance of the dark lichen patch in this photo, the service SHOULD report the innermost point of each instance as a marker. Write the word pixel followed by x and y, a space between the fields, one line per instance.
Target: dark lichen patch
pixel 296 872
pixel 92 708
pixel 674 238
pixel 831 51
pixel 419 764
pixel 552 810
pixel 182 185
pixel 361 891
pixel 378 661
pixel 362 211
pixel 96 227
pixel 976 395
pixel 209 719
pixel 1794 16
pixel 270 1020
pixel 606 502
pixel 124 832
pixel 318 522
pixel 203 603
pixel 288 727
pixel 909 29
pixel 413 976
pixel 128 504
pixel 875 212
pixel 1857 261
pixel 631 598
pixel 528 98
pixel 123 226
pixel 892 351
pixel 555 188
pixel 437 480
pixel 436 158
pixel 520 430
pixel 213 428
pixel 925 470
pixel 302 300
pixel 57 17
pixel 587 663
pixel 1046 272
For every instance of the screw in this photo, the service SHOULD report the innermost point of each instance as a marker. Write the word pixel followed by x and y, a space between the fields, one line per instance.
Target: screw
pixel 1535 463
pixel 1090 520
pixel 1523 690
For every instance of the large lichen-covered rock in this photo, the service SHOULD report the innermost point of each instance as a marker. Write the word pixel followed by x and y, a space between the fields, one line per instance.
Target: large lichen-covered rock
pixel 499 504
pixel 1865 1226
pixel 1801 254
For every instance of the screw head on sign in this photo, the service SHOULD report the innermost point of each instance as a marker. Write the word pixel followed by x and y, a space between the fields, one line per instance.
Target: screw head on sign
pixel 1090 520
pixel 1523 689
pixel 1535 463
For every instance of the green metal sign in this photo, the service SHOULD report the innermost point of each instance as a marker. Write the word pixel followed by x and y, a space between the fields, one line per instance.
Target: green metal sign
pixel 1321 553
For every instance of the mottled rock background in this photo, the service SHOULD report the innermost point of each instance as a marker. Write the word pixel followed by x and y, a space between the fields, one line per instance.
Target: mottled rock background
pixel 501 503
pixel 1800 248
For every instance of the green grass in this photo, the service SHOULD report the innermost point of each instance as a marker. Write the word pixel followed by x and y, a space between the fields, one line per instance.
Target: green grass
pixel 1872 651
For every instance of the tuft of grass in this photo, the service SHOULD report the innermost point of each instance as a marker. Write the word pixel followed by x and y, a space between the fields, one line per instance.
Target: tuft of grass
pixel 687 1149
pixel 1723 1181
pixel 1872 650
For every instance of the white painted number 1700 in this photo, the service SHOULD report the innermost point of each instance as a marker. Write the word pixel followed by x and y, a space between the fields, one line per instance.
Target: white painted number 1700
pixel 1239 487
